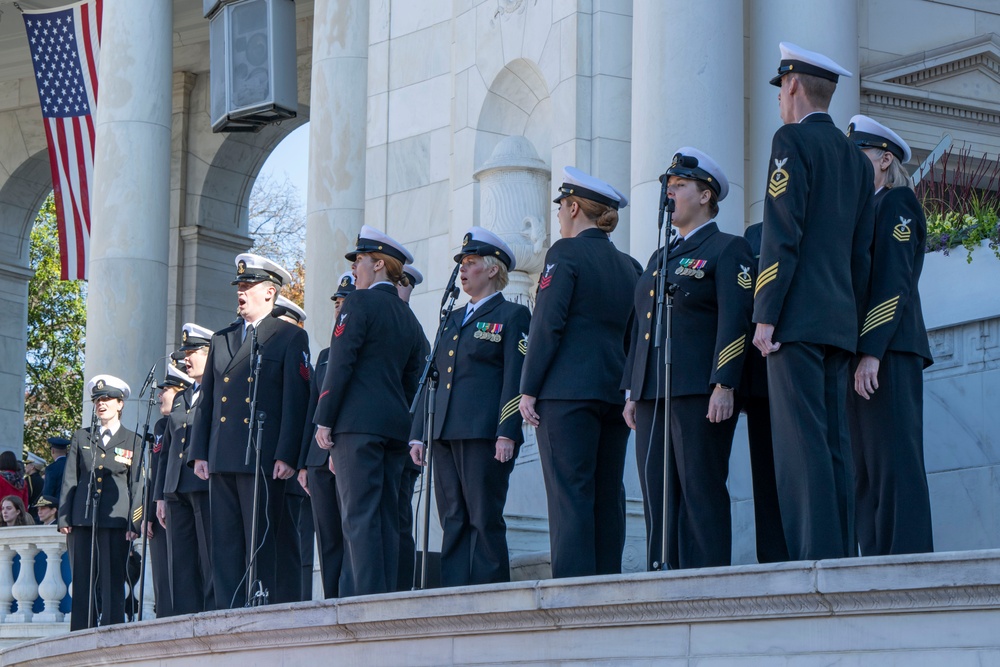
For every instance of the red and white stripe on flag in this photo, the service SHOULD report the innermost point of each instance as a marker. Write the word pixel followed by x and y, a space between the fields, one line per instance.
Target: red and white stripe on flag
pixel 65 48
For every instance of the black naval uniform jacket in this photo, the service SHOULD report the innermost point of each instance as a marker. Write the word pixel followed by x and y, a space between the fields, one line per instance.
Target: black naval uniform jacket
pixel 579 330
pixel 118 483
pixel 482 361
pixel 711 317
pixel 374 366
pixel 312 455
pixel 754 382
pixel 222 418
pixel 174 475
pixel 818 223
pixel 894 320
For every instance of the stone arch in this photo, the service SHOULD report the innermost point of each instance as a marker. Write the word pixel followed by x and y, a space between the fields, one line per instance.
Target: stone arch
pixel 225 191
pixel 518 102
pixel 21 197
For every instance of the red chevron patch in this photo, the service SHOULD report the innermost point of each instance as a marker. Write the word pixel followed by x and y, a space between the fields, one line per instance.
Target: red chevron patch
pixel 339 329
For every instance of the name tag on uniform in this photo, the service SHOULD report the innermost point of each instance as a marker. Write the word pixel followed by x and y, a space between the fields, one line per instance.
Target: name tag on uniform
pixel 123 455
pixel 488 331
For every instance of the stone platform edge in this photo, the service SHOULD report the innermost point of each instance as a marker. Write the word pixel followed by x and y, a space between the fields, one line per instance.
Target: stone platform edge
pixel 898 584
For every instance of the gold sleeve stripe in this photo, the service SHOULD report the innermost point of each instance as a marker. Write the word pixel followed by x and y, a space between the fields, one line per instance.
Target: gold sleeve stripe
pixel 510 409
pixel 137 514
pixel 731 351
pixel 880 314
pixel 766 276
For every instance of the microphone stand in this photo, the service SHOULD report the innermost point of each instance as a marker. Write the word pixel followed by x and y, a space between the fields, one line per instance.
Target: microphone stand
pixel 429 377
pixel 145 466
pixel 663 329
pixel 90 512
pixel 256 593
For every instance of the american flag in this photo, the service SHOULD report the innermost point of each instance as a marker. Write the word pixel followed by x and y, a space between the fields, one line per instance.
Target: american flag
pixel 65 45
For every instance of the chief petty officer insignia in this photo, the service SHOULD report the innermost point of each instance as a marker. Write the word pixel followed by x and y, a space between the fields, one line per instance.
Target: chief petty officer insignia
pixel 779 179
pixel 546 278
pixel 241 267
pixel 345 282
pixel 522 345
pixel 339 329
pixel 901 232
pixel 100 384
pixel 465 241
pixel 691 267
pixel 488 331
pixel 123 455
pixel 743 279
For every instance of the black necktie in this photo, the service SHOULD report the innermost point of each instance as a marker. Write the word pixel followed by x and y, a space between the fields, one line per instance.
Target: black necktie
pixel 676 242
pixel 247 333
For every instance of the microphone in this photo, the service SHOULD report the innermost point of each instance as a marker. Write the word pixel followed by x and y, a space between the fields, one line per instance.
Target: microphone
pixel 451 288
pixel 150 376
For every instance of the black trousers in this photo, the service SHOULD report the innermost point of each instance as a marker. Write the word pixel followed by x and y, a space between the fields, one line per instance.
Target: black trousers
pixel 887 436
pixel 698 505
pixel 231 497
pixel 159 558
pixel 581 445
pixel 470 487
pixel 189 534
pixel 289 550
pixel 808 386
pixel 327 524
pixel 110 554
pixel 407 544
pixel 770 536
pixel 369 468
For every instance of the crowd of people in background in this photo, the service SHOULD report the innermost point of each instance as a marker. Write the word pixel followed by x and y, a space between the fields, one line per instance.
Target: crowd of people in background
pixel 809 323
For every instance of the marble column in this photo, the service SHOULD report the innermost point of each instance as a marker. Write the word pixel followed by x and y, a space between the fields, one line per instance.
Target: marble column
pixel 828 27
pixel 335 202
pixel 130 209
pixel 687 90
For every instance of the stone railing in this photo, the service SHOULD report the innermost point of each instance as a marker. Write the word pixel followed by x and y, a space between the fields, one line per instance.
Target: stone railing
pixel 27 542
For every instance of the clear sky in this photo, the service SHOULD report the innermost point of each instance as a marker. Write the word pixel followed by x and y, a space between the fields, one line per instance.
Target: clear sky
pixel 291 158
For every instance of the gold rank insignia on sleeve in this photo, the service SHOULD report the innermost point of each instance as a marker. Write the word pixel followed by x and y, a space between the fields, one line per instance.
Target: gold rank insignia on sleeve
pixel 901 232
pixel 731 351
pixel 137 514
pixel 510 409
pixel 778 182
pixel 743 279
pixel 880 314
pixel 522 345
pixel 766 276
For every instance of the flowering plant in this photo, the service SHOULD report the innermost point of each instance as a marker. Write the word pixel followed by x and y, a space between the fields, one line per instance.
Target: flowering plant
pixel 962 203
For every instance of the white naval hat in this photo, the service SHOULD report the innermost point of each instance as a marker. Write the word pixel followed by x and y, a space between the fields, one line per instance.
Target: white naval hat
pixel 690 162
pixel 802 61
pixel 31 457
pixel 108 385
pixel 175 377
pixel 252 268
pixel 414 275
pixel 867 132
pixel 577 183
pixel 483 242
pixel 345 286
pixel 372 240
pixel 285 306
pixel 194 336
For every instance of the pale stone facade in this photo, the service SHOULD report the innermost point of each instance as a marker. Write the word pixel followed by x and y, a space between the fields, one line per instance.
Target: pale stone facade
pixel 408 102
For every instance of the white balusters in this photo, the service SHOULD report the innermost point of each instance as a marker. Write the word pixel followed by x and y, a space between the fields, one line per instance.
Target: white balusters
pixel 25 589
pixel 52 589
pixel 6 579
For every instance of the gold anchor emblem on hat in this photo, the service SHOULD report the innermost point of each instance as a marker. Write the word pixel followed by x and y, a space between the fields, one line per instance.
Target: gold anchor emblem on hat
pixel 345 282
pixel 465 241
pixel 241 268
pixel 184 336
pixel 100 384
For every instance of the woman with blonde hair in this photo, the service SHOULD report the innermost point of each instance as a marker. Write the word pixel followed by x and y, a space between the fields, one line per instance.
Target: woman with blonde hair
pixel 571 377
pixel 885 410
pixel 477 425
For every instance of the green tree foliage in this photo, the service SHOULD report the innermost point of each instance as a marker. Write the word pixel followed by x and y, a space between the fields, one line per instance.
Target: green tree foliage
pixel 57 325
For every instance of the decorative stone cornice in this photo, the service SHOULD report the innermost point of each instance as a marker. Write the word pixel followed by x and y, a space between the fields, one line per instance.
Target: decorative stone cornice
pixel 823 590
pixel 923 82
